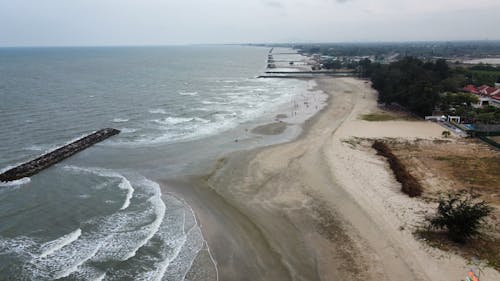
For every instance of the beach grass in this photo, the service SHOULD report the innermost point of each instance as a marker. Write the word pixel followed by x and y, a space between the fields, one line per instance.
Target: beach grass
pixel 478 172
pixel 378 117
pixel 483 247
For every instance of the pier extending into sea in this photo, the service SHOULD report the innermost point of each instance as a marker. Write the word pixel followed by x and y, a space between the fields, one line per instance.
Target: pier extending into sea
pixel 36 165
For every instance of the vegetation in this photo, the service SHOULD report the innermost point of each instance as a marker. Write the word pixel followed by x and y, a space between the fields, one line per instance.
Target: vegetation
pixel 417 49
pixel 332 64
pixel 461 215
pixel 485 75
pixel 422 87
pixel 446 134
pixel 378 117
pixel 409 184
pixel 479 172
pixel 410 82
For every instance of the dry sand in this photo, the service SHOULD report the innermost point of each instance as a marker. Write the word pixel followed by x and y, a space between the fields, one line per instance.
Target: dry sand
pixel 317 208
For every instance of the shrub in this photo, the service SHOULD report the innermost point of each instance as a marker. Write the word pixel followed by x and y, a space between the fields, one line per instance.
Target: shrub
pixel 461 214
pixel 446 134
pixel 409 184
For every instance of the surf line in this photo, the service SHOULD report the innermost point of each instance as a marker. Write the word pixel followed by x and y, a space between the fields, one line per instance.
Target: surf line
pixel 36 165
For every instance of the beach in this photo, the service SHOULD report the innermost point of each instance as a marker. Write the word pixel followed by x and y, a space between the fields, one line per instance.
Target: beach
pixel 317 208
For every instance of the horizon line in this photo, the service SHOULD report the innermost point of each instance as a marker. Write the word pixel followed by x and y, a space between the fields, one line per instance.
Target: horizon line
pixel 248 43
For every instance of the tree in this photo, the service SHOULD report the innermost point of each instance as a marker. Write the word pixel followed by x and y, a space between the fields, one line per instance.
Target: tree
pixel 461 214
pixel 332 64
pixel 410 83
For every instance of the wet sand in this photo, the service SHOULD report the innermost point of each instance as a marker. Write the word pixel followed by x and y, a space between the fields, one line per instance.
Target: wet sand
pixel 270 129
pixel 296 211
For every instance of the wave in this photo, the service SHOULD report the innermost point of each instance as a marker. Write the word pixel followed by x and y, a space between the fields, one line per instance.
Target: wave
pixel 157 111
pixel 68 271
pixel 52 246
pixel 213 102
pixel 128 130
pixel 188 93
pixel 120 120
pixel 172 120
pixel 35 148
pixel 170 237
pixel 6 168
pixel 124 184
pixel 114 237
pixel 159 210
pixel 100 277
pixel 18 182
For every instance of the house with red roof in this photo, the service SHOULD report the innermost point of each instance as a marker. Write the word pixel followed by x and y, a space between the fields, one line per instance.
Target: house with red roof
pixel 487 95
pixel 488 91
pixel 495 100
pixel 470 89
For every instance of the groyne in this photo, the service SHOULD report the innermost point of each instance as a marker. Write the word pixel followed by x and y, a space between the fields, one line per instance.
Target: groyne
pixel 36 165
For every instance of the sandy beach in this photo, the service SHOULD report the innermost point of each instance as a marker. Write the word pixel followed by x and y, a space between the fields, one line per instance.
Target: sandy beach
pixel 318 208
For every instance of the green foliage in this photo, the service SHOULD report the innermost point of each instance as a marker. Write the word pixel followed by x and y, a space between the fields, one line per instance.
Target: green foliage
pixel 480 77
pixel 416 49
pixel 456 99
pixel 485 67
pixel 461 214
pixel 378 117
pixel 411 83
pixel 332 64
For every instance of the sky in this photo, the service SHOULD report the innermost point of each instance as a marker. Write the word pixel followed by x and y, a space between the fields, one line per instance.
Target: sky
pixel 174 22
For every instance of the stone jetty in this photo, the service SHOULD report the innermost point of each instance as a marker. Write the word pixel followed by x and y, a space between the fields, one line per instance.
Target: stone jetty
pixel 34 166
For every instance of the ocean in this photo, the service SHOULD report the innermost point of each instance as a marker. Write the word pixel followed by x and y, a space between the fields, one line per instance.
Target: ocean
pixel 102 214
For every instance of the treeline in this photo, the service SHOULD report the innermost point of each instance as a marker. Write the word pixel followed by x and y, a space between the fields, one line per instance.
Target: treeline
pixel 415 49
pixel 422 87
pixel 479 75
pixel 410 82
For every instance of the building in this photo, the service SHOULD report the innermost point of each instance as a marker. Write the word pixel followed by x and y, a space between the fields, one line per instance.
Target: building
pixel 487 95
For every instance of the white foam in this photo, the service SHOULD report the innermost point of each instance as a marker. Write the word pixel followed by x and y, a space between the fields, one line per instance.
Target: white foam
pixel 179 264
pixel 157 111
pixel 52 246
pixel 9 167
pixel 227 109
pixel 159 209
pixel 202 120
pixel 18 182
pixel 128 130
pixel 213 102
pixel 124 184
pixel 66 272
pixel 172 120
pixel 188 93
pixel 35 148
pixel 120 120
pixel 100 277
pixel 119 236
pixel 174 239
pixel 21 246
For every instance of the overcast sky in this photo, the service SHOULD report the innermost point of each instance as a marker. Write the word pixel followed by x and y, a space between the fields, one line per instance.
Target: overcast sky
pixel 165 22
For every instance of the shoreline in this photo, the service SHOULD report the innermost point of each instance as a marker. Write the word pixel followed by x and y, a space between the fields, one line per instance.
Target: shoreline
pixel 306 209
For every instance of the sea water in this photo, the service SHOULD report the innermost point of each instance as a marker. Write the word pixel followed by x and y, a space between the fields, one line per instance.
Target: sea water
pixel 101 215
